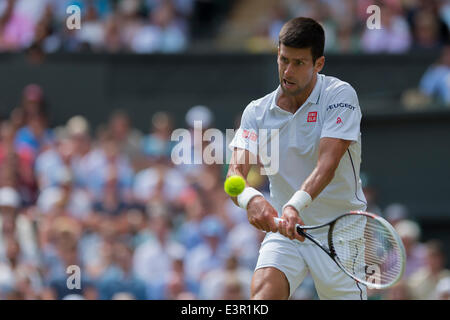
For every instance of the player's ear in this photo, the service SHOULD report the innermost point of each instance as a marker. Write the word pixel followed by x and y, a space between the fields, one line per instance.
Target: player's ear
pixel 320 62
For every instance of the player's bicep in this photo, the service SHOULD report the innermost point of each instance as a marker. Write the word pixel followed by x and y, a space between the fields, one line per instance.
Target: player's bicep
pixel 331 151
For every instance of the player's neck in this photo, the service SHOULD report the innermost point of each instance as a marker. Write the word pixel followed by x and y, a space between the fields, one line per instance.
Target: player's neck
pixel 293 103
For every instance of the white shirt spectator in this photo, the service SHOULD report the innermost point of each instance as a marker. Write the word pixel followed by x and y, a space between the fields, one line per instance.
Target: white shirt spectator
pixel 146 182
pixel 243 240
pixel 79 205
pixel 152 262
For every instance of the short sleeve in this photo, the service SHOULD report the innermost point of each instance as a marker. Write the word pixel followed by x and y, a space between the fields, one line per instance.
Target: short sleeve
pixel 342 116
pixel 246 136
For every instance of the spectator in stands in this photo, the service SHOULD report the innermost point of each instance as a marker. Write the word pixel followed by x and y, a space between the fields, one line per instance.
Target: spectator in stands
pixel 244 241
pixel 423 283
pixel 427 23
pixel 153 259
pixel 395 213
pixel 211 254
pixel 65 198
pixel 163 34
pixel 188 232
pixel 91 35
pixel 227 281
pixel 199 118
pixel 426 31
pixel 56 159
pixel 33 102
pixel 16 166
pixel 119 276
pixel 233 289
pixel 45 36
pixel 16 29
pixel 18 279
pixel 105 163
pixel 435 83
pixel 61 253
pixel 178 285
pixel 112 41
pixel 111 203
pixel 35 136
pixel 15 224
pixel 393 36
pixel 158 144
pixel 130 21
pixel 347 40
pixel 409 232
pixel 159 182
pixel 77 129
pixel 97 245
pixel 125 136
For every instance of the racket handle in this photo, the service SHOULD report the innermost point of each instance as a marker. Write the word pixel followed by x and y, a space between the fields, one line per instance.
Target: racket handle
pixel 298 227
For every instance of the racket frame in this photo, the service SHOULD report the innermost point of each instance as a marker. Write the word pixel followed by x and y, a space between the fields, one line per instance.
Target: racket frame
pixel 332 253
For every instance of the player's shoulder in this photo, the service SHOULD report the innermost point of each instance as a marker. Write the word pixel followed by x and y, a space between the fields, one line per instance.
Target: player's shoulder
pixel 335 91
pixel 333 85
pixel 260 105
pixel 263 102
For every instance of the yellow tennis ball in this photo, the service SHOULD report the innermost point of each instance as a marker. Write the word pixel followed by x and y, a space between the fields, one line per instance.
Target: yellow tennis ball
pixel 234 185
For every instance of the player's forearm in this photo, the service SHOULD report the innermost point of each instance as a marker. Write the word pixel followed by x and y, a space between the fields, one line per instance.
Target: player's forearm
pixel 318 180
pixel 331 151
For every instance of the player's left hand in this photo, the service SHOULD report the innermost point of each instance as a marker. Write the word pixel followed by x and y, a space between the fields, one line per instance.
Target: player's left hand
pixel 290 219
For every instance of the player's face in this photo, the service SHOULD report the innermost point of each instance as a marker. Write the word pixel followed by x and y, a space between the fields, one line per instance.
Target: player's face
pixel 296 68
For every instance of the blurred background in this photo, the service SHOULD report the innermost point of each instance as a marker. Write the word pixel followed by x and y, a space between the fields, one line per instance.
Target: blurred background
pixel 86 116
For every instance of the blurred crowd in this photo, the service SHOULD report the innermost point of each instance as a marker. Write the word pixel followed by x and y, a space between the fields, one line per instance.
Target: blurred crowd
pixel 167 26
pixel 404 25
pixel 111 202
pixel 140 26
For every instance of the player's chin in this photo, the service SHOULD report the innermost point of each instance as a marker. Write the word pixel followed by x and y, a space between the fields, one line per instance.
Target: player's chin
pixel 295 90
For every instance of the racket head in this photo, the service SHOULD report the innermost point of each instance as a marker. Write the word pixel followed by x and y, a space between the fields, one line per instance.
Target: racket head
pixel 367 248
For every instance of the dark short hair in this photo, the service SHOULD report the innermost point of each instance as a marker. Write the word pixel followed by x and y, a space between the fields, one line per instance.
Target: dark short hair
pixel 302 33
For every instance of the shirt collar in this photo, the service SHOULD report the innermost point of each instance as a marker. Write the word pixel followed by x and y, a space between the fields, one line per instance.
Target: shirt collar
pixel 313 97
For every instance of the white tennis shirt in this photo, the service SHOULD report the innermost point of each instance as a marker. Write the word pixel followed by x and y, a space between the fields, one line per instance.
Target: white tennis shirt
pixel 331 110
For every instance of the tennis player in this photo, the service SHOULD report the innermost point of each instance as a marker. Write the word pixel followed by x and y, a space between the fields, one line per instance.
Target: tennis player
pixel 318 118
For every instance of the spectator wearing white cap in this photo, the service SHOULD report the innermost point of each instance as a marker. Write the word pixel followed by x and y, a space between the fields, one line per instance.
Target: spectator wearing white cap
pixel 200 119
pixel 64 197
pixel 396 212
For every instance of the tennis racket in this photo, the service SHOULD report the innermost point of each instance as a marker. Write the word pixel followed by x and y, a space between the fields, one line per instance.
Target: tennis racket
pixel 365 246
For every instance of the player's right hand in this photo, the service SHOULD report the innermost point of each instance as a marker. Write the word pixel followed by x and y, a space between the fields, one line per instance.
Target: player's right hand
pixel 287 226
pixel 260 214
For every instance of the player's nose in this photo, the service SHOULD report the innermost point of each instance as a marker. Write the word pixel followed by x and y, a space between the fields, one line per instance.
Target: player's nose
pixel 288 72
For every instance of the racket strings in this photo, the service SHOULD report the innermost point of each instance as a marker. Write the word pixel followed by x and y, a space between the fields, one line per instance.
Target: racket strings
pixel 367 249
